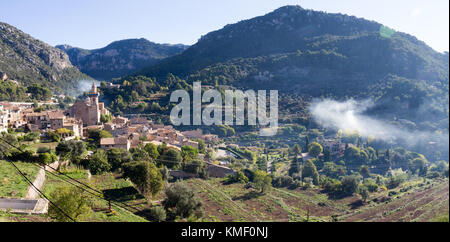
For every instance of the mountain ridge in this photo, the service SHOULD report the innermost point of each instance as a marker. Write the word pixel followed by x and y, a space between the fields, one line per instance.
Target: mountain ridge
pixel 120 57
pixel 287 29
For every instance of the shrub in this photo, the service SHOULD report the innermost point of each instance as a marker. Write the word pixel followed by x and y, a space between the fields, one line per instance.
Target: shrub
pixel 371 186
pixel 262 180
pixel 363 192
pixel 117 157
pixel 395 181
pixel 332 186
pixel 171 158
pixel 182 201
pixel 238 177
pixel 43 149
pixel 433 175
pixel 73 201
pixel 98 162
pixel 45 158
pixel 315 149
pixel 145 176
pixel 310 170
pixel 307 182
pixel 282 181
pixel 349 185
pixel 158 213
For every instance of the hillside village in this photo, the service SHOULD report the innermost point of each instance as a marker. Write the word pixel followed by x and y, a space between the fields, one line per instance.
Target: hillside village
pixel 84 115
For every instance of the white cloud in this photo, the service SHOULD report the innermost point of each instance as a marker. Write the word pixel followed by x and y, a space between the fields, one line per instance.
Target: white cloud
pixel 416 12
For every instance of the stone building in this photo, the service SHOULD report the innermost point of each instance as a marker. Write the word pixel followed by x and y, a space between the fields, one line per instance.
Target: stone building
pixel 89 110
pixel 118 142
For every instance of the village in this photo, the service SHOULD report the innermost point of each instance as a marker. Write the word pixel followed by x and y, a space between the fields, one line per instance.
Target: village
pixel 85 115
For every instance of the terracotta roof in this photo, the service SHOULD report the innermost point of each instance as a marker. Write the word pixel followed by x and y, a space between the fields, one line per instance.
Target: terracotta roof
pixel 107 141
pixel 114 141
pixel 55 115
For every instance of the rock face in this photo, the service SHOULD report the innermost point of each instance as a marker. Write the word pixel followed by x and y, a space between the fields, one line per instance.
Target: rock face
pixel 120 58
pixel 29 60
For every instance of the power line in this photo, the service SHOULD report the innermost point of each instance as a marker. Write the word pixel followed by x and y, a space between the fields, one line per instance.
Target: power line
pixel 99 196
pixel 52 203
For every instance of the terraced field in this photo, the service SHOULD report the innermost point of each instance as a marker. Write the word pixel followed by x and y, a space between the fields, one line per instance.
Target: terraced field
pixel 236 203
pixel 414 201
pixel 421 204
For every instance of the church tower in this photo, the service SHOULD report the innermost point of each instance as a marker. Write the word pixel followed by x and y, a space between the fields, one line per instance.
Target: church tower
pixel 93 95
pixel 93 108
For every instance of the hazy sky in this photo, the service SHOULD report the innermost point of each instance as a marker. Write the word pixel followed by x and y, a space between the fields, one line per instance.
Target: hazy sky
pixel 95 23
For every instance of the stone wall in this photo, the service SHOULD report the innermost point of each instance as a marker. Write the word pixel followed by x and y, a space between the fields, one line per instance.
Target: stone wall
pixel 38 182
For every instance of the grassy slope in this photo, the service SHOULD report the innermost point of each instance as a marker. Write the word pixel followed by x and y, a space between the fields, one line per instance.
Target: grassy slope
pixel 12 184
pixel 106 182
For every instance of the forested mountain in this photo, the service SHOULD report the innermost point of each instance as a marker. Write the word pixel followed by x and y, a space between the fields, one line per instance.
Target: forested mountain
pixel 292 28
pixel 120 58
pixel 317 54
pixel 28 60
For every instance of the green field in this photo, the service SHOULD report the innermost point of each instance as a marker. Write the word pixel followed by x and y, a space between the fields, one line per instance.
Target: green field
pixel 12 184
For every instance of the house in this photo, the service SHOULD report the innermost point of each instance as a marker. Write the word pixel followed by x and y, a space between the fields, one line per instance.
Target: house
pixel 120 120
pixel 3 120
pixel 117 142
pixel 336 148
pixel 193 134
pixel 12 113
pixel 74 125
pixel 190 143
pixel 210 138
pixel 140 120
pixel 157 143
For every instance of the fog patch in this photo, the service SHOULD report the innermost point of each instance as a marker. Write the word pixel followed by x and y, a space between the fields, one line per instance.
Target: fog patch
pixel 349 115
pixel 83 86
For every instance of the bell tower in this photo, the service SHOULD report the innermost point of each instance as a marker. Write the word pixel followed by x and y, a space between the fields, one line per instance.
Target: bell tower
pixel 93 108
pixel 93 95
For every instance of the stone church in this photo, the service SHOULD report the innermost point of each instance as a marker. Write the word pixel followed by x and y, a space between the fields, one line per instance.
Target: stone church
pixel 89 110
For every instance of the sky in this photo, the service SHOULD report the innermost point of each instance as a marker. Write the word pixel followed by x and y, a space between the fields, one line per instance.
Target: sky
pixel 94 24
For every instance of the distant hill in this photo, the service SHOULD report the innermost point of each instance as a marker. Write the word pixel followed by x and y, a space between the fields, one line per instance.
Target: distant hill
pixel 120 58
pixel 28 60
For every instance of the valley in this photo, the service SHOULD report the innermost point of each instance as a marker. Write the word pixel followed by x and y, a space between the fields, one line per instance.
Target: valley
pixel 362 129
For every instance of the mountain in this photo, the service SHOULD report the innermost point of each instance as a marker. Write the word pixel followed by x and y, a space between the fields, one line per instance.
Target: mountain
pixel 317 54
pixel 287 29
pixel 28 60
pixel 290 29
pixel 120 58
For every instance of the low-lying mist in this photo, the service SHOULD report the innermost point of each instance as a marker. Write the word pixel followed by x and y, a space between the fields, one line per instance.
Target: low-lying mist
pixel 349 115
pixel 83 86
